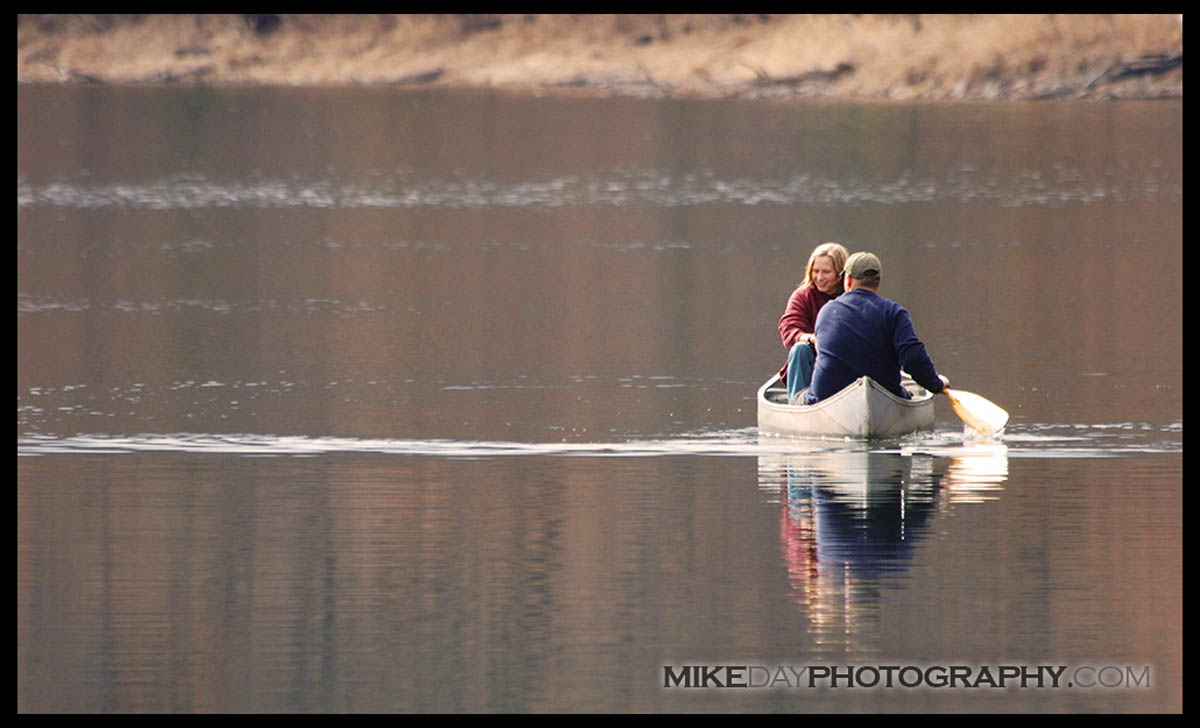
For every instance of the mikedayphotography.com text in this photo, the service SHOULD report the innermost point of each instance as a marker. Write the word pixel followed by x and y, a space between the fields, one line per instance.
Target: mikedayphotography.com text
pixel 994 677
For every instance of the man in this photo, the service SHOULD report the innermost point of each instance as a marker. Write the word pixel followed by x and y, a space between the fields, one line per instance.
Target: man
pixel 861 333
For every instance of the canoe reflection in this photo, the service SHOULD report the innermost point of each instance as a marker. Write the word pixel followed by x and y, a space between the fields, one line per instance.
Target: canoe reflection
pixel 851 520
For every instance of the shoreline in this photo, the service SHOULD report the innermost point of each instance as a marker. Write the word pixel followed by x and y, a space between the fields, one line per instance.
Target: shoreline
pixel 862 57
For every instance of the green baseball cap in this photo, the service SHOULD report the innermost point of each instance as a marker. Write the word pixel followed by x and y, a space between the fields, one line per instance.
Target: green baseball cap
pixel 863 265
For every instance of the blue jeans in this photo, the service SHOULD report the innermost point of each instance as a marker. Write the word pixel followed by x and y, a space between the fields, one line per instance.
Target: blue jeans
pixel 799 368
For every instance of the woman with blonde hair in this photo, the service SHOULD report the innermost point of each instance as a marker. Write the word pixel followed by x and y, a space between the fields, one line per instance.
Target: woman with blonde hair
pixel 822 283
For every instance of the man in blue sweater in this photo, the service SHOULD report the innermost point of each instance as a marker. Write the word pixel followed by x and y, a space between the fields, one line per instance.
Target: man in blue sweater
pixel 861 333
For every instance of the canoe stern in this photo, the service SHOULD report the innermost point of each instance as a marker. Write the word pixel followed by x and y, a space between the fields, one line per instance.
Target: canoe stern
pixel 862 410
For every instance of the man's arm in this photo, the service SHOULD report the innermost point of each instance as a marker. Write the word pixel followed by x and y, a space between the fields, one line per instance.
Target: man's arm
pixel 912 356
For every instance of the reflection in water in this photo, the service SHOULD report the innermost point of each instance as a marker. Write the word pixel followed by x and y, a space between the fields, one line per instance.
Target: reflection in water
pixel 975 472
pixel 851 519
pixel 978 474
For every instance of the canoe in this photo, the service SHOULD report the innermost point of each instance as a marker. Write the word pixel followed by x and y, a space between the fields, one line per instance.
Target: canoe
pixel 863 410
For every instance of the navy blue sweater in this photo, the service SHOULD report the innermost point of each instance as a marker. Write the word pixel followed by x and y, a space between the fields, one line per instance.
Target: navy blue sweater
pixel 861 333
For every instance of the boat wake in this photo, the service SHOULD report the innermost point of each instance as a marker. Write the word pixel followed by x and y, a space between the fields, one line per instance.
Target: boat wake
pixel 1037 442
pixel 729 444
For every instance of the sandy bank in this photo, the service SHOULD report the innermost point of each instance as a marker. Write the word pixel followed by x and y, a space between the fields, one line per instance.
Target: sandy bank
pixel 753 56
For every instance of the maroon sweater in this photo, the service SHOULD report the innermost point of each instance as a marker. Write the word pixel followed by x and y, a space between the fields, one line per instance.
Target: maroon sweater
pixel 800 316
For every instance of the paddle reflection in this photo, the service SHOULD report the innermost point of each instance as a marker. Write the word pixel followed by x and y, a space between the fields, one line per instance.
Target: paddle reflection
pixel 852 520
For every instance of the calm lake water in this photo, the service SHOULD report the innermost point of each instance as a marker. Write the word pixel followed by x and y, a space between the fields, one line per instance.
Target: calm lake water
pixel 374 400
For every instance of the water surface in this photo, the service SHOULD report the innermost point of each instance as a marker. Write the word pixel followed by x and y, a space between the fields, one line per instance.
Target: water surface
pixel 372 400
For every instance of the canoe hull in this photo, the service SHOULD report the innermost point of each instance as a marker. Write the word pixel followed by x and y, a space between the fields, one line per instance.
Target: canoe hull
pixel 862 410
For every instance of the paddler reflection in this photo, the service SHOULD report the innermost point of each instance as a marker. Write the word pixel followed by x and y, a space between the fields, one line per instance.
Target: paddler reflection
pixel 850 519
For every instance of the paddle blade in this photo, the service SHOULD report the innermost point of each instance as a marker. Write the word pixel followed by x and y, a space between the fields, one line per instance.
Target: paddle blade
pixel 979 413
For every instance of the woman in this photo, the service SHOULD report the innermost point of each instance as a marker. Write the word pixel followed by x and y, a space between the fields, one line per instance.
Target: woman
pixel 822 283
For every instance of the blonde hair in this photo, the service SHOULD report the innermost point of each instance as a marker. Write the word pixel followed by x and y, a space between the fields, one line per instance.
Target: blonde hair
pixel 834 251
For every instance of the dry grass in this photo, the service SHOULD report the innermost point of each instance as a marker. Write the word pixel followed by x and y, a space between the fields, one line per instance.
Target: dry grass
pixel 877 56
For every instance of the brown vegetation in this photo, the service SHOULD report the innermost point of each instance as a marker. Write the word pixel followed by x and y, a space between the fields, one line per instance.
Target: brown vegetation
pixel 863 56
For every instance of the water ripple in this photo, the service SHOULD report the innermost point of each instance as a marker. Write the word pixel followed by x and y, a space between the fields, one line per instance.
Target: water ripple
pixel 744 442
pixel 619 188
pixel 28 304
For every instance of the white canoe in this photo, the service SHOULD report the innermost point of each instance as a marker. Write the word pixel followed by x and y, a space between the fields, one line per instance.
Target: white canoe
pixel 862 410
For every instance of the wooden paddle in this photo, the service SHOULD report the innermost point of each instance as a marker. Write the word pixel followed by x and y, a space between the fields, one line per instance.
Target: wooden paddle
pixel 980 414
